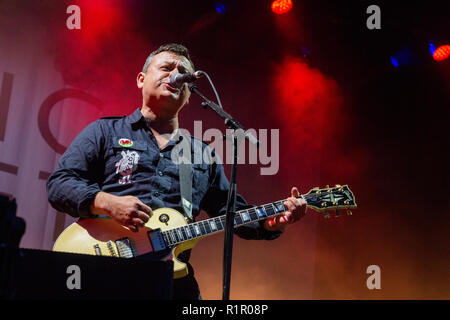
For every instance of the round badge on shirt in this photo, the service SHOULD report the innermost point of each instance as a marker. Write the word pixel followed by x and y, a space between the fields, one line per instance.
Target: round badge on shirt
pixel 126 142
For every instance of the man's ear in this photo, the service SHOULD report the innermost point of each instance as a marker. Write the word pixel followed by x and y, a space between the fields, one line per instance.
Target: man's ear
pixel 140 80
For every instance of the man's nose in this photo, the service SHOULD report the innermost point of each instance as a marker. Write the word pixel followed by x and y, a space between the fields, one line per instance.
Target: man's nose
pixel 173 72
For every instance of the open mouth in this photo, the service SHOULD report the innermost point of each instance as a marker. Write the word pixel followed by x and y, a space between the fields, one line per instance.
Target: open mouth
pixel 170 88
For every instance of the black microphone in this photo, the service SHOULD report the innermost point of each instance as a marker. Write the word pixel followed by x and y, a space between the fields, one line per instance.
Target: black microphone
pixel 177 79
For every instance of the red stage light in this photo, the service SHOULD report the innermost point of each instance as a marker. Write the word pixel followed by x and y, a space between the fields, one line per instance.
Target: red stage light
pixel 442 53
pixel 281 6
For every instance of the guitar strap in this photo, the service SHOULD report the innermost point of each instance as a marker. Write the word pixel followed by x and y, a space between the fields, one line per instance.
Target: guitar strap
pixel 185 173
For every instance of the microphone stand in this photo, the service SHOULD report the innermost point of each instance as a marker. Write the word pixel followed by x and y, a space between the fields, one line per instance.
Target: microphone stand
pixel 231 123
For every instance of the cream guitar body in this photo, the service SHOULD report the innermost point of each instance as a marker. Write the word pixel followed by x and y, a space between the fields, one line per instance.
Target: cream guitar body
pixel 167 234
pixel 106 237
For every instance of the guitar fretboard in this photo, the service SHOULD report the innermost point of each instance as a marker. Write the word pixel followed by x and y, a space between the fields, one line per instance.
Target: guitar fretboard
pixel 217 224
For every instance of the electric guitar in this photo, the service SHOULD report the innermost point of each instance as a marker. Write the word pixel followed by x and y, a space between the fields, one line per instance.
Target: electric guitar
pixel 167 230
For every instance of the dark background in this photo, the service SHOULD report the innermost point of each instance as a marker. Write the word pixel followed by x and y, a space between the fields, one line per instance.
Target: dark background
pixel 380 129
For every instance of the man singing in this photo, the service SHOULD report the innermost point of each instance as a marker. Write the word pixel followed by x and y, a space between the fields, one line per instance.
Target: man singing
pixel 122 166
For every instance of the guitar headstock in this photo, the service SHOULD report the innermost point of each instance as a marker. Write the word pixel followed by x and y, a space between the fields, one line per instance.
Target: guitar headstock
pixel 335 198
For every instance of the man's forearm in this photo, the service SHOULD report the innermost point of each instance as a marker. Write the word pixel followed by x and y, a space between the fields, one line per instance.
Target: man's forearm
pixel 101 202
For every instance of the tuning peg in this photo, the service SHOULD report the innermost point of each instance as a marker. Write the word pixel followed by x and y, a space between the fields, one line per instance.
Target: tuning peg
pixel 327 186
pixel 338 185
pixel 349 213
pixel 326 215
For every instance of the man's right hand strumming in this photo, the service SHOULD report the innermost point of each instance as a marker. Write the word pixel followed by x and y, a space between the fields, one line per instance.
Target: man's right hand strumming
pixel 126 210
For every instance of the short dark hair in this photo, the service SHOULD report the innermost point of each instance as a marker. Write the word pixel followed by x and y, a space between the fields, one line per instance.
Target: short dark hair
pixel 170 47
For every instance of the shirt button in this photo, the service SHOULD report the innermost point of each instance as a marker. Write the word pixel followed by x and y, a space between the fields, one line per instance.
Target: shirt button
pixel 156 194
pixel 161 155
pixel 160 173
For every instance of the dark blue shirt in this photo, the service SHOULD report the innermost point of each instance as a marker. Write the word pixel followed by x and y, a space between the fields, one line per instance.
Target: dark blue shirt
pixel 120 156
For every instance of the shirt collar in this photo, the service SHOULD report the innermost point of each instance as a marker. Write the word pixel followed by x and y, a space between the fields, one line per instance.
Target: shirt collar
pixel 136 116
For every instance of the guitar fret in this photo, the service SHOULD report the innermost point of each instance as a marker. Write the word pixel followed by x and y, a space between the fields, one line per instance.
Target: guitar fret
pixel 174 233
pixel 172 236
pixel 180 235
pixel 192 229
pixel 245 216
pixel 166 238
pixel 169 238
pixel 202 227
pixel 261 212
pixel 207 227
pixel 219 224
pixel 279 207
pixel 223 221
pixel 269 210
pixel 197 229
pixel 183 231
pixel 252 214
pixel 213 226
pixel 188 232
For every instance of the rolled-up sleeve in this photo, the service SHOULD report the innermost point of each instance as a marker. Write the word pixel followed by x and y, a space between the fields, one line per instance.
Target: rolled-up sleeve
pixel 215 201
pixel 72 187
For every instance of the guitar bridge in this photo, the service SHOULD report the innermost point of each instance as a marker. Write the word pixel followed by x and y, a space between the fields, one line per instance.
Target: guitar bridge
pixel 110 246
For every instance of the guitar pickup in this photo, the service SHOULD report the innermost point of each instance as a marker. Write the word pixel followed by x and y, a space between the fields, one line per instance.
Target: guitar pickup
pixel 157 240
pixel 126 248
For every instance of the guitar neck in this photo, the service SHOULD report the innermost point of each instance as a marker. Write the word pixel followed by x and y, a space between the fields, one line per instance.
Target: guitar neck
pixel 217 224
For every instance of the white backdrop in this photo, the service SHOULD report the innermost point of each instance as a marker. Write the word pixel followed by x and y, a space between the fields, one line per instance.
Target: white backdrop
pixel 28 77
